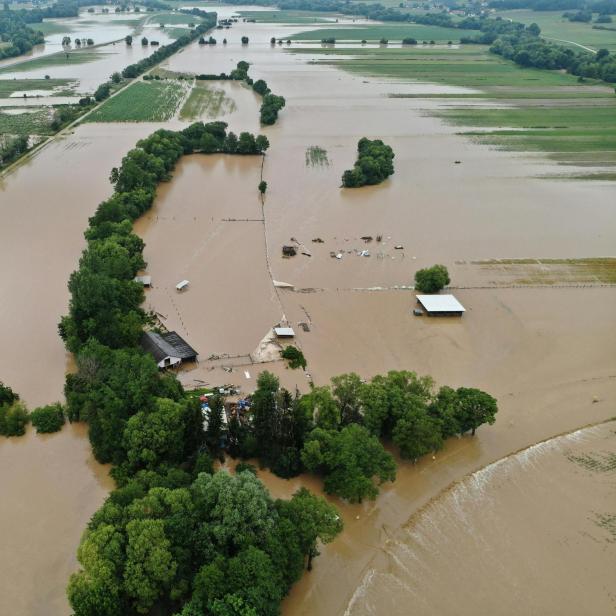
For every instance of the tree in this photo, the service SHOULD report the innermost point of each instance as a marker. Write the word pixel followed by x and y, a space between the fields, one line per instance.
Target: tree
pixel 214 428
pixel 48 418
pixel 13 419
pixel 291 353
pixel 261 143
pixel 260 87
pixel 129 39
pixel 149 564
pixel 475 407
pixel 273 40
pixel 244 40
pixel 144 41
pixel 314 519
pixel 432 279
pixel 116 77
pixel 7 395
pixel 322 408
pixel 349 460
pixel 417 433
pixel 246 144
pixel 262 186
pixel 346 389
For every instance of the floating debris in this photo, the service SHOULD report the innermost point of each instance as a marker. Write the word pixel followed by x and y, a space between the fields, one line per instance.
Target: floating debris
pixel 306 254
pixel 366 238
pixel 289 251
pixel 364 253
pixel 304 326
pixel 399 247
pixel 318 240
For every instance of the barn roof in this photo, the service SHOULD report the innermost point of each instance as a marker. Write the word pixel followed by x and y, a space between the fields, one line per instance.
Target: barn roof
pixel 169 344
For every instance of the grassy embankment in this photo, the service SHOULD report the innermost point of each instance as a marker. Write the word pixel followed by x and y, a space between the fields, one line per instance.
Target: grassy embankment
pixel 556 27
pixel 143 101
pixel 534 110
pixel 205 101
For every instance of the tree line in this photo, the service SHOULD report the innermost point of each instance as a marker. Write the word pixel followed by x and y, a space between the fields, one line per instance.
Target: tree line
pixel 19 36
pixel 271 103
pixel 174 537
pixel 607 7
pixel 337 431
pixel 375 163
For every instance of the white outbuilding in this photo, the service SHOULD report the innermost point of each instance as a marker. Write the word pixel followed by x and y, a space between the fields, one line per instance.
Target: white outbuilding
pixel 441 305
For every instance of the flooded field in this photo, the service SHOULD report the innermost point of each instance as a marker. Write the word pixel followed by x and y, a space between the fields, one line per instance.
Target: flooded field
pixel 546 354
pixel 529 534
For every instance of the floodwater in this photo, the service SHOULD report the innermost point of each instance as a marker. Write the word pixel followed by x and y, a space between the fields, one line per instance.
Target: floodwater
pixel 546 354
pixel 529 534
pixel 50 485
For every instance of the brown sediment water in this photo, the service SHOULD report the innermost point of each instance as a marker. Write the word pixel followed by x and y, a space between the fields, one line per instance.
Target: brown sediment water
pixel 546 354
pixel 529 534
pixel 50 486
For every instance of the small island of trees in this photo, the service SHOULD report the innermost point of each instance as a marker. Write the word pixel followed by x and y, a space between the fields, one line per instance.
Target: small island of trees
pixel 374 164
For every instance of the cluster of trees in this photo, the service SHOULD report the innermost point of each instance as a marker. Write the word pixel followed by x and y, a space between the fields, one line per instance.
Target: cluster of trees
pixel 11 148
pixel 197 544
pixel 432 279
pixel 174 538
pixel 375 163
pixel 295 357
pixel 165 51
pixel 19 36
pixel 334 431
pixel 13 414
pixel 105 301
pixel 527 49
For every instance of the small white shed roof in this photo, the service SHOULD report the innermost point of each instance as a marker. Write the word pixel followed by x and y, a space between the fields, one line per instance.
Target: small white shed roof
pixel 181 285
pixel 284 332
pixel 440 303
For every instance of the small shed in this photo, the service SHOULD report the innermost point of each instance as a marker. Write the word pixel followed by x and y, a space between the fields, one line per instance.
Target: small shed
pixel 168 349
pixel 441 305
pixel 146 281
pixel 284 332
pixel 180 286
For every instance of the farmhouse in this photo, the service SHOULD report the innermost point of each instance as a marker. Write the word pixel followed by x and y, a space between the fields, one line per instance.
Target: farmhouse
pixel 441 305
pixel 168 349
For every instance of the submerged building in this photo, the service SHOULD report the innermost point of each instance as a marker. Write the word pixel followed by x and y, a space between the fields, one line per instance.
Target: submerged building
pixel 168 349
pixel 441 305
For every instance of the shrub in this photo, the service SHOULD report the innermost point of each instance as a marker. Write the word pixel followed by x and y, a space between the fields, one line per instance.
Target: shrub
pixel 13 419
pixel 48 418
pixel 432 279
pixel 246 466
pixel 295 356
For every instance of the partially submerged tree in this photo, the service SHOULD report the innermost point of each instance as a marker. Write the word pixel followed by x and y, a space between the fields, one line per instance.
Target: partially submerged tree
pixel 432 279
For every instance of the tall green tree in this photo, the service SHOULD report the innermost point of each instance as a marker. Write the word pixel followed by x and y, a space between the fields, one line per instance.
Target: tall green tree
pixel 475 407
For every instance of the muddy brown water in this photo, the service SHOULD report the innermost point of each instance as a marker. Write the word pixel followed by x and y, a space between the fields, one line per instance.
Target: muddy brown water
pixel 547 354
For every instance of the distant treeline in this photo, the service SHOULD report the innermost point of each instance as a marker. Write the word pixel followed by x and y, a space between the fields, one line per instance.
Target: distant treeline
pixel 15 31
pixel 607 7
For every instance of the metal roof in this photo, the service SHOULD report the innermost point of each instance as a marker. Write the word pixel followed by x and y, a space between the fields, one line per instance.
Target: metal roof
pixel 170 344
pixel 440 303
pixel 284 332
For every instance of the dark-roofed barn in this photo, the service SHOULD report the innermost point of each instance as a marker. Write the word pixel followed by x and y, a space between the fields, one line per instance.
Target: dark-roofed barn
pixel 168 349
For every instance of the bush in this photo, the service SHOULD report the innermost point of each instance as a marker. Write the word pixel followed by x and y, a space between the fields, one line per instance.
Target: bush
pixel 48 418
pixel 295 356
pixel 246 466
pixel 432 279
pixel 13 419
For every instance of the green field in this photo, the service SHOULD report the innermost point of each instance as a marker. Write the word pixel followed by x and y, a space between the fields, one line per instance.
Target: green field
pixel 288 17
pixel 52 27
pixel 8 86
pixel 534 110
pixel 27 123
pixel 206 101
pixel 555 27
pixel 143 101
pixel 390 32
pixel 170 19
pixel 57 59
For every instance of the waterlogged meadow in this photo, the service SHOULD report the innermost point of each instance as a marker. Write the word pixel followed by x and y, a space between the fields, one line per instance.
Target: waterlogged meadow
pixel 143 101
pixel 206 101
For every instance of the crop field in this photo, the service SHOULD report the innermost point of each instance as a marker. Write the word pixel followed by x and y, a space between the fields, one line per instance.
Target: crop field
pixel 17 121
pixel 556 27
pixel 174 32
pixel 52 27
pixel 143 101
pixel 206 101
pixel 390 32
pixel 57 59
pixel 289 17
pixel 8 86
pixel 170 19
pixel 534 110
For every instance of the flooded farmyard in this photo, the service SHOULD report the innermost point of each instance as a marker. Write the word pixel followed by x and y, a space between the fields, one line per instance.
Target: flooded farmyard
pixel 545 352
